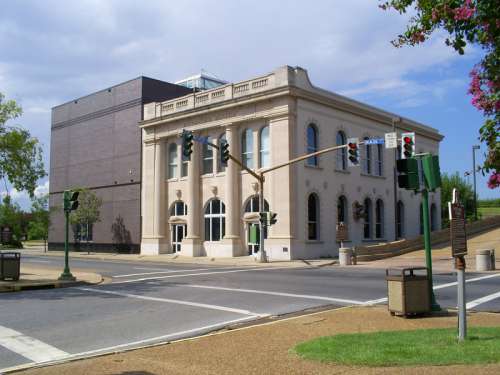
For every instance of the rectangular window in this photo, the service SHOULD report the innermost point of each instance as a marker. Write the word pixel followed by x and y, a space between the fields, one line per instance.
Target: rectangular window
pixel 184 166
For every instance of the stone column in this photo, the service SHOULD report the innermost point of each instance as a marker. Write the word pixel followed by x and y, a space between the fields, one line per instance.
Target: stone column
pixel 231 244
pixel 153 240
pixel 192 243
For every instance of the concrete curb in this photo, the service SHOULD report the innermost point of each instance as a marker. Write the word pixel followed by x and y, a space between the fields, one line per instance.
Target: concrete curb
pixel 47 285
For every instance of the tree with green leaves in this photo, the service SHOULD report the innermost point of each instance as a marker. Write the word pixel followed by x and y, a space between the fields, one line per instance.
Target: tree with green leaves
pixel 475 22
pixel 38 226
pixel 11 217
pixel 465 194
pixel 86 215
pixel 21 161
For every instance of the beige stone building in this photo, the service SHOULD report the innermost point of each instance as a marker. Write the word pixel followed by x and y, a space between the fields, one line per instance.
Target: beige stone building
pixel 201 208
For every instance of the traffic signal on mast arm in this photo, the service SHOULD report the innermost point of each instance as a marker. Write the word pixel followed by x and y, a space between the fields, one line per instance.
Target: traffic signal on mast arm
pixel 353 152
pixel 224 152
pixel 407 145
pixel 70 200
pixel 408 174
pixel 187 144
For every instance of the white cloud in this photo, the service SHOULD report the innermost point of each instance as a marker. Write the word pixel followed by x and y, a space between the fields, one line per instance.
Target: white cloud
pixel 42 189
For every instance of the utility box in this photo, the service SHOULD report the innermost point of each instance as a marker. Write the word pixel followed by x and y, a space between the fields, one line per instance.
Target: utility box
pixel 10 266
pixel 408 291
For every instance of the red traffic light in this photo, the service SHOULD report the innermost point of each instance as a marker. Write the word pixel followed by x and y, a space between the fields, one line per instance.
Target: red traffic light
pixel 407 140
pixel 353 145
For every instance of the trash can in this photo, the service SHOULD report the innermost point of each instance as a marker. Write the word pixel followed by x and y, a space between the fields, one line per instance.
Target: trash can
pixel 345 254
pixel 408 291
pixel 484 258
pixel 10 265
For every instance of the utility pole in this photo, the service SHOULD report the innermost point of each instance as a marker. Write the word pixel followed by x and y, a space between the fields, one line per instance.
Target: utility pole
pixel 474 148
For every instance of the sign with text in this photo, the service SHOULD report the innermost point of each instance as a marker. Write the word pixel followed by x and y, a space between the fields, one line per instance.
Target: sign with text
pixel 457 229
pixel 374 141
pixel 341 234
pixel 391 140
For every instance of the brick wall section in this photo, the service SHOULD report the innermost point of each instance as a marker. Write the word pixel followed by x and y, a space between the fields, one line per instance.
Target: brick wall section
pixel 387 250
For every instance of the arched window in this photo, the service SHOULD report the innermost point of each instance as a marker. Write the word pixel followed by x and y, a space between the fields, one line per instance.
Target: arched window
pixel 433 217
pixel 367 227
pixel 367 159
pixel 379 219
pixel 208 158
pixel 264 147
pixel 313 217
pixel 247 148
pixel 400 219
pixel 179 208
pixel 312 144
pixel 172 160
pixel 341 153
pixel 379 166
pixel 215 220
pixel 253 205
pixel 220 166
pixel 342 210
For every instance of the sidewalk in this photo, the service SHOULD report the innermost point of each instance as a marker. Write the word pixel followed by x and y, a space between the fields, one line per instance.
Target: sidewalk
pixel 45 278
pixel 265 349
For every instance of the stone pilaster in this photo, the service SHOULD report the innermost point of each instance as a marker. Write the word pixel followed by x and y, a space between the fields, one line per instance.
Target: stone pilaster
pixel 192 243
pixel 231 244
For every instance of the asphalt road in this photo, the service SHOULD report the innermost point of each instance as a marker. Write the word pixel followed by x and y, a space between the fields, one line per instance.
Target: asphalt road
pixel 157 302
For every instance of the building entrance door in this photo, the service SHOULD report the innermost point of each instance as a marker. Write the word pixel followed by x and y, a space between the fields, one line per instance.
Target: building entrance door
pixel 253 238
pixel 178 233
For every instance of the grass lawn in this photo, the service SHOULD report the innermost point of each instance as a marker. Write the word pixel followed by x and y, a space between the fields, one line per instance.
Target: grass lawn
pixel 488 211
pixel 406 348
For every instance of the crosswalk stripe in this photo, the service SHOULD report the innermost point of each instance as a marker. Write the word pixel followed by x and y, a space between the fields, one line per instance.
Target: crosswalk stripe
pixel 482 300
pixel 29 347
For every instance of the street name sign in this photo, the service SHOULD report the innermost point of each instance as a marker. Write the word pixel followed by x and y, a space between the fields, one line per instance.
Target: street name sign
pixel 374 141
pixel 391 140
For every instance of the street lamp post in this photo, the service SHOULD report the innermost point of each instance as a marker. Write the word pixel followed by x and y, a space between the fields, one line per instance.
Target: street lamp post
pixel 474 148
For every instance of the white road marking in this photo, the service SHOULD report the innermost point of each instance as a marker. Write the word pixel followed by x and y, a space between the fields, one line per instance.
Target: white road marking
pixel 176 301
pixel 482 300
pixel 304 296
pixel 197 274
pixel 29 347
pixel 447 285
pixel 164 271
pixel 149 269
pixel 467 281
pixel 28 260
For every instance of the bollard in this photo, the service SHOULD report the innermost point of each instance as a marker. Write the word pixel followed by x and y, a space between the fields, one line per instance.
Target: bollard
pixel 483 260
pixel 345 256
pixel 493 260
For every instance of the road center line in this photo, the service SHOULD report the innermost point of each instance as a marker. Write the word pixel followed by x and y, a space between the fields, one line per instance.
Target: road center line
pixel 305 296
pixel 175 301
pixel 164 271
pixel 482 300
pixel 198 274
pixel 29 347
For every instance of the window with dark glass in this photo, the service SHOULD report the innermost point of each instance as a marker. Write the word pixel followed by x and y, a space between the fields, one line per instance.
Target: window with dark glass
pixel 400 215
pixel 179 208
pixel 379 219
pixel 215 220
pixel 342 210
pixel 208 158
pixel 312 217
pixel 264 148
pixel 380 160
pixel 312 144
pixel 367 227
pixel 341 153
pixel 367 159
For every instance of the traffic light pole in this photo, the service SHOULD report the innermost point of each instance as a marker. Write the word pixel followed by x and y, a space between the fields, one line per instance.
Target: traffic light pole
pixel 427 244
pixel 262 224
pixel 66 275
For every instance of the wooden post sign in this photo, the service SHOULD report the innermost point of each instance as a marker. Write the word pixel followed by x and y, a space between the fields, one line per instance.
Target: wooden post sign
pixel 341 232
pixel 457 227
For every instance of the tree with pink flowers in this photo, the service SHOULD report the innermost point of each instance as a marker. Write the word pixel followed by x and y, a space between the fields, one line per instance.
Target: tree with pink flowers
pixel 466 22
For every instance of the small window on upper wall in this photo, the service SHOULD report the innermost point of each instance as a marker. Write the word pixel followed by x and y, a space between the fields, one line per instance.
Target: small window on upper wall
pixel 312 144
pixel 172 160
pixel 247 148
pixel 341 153
pixel 208 158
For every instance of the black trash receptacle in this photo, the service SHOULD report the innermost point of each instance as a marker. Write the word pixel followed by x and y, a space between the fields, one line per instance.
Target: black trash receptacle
pixel 10 265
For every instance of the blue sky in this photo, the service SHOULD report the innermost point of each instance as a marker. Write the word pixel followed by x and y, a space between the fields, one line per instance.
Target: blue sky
pixel 54 51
